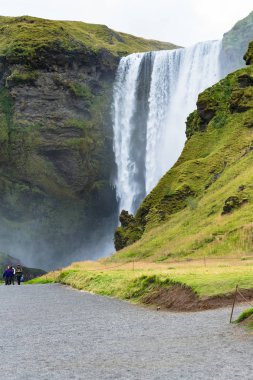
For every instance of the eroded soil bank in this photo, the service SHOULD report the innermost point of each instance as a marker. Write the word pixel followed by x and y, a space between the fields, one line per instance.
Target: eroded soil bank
pixel 181 298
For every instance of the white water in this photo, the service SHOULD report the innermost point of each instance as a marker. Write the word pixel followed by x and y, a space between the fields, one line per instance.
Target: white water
pixel 124 107
pixel 174 80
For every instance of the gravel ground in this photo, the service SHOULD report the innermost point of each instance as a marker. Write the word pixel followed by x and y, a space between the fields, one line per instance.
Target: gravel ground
pixel 53 332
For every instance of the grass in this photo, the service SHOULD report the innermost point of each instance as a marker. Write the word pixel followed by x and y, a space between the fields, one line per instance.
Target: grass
pixel 244 315
pixel 206 279
pixel 246 318
pixel 25 36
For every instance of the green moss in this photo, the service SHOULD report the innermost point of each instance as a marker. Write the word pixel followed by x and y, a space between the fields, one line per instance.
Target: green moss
pixel 80 90
pixel 30 38
pixel 21 77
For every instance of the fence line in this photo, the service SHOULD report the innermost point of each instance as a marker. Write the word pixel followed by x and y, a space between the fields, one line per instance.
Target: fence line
pixel 237 291
pixel 205 260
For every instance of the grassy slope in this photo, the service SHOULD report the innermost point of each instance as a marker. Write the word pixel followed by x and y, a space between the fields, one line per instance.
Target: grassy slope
pixel 25 35
pixel 216 163
pixel 215 277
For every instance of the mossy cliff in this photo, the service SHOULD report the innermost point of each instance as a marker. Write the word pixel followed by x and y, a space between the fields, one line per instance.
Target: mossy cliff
pixel 204 204
pixel 56 157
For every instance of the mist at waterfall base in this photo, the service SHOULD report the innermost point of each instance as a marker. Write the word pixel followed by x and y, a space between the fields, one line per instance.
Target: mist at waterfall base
pixel 153 95
pixel 39 246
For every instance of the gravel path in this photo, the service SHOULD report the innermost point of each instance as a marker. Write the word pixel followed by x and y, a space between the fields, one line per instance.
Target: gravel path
pixel 53 332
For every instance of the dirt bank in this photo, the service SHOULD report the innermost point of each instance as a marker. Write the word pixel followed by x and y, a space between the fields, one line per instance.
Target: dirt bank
pixel 182 298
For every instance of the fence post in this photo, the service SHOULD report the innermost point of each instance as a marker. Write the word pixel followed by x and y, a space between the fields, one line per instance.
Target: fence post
pixel 232 311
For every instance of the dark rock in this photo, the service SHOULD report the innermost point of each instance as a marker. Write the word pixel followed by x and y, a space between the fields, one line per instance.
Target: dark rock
pixel 125 218
pixel 206 108
pixel 241 100
pixel 245 80
pixel 233 203
pixel 248 123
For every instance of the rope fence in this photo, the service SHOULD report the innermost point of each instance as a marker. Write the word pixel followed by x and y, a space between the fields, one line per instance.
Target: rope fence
pixel 238 291
pixel 204 259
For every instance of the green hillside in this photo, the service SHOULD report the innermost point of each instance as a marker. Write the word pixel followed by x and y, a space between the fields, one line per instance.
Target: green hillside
pixel 26 36
pixel 204 204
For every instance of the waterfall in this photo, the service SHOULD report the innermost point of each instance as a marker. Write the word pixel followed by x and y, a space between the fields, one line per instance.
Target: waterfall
pixel 153 94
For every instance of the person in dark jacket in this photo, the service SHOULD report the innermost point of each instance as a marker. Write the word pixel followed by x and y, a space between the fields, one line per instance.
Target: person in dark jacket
pixel 19 273
pixel 7 275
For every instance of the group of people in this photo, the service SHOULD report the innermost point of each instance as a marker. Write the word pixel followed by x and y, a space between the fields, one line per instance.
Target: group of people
pixel 11 273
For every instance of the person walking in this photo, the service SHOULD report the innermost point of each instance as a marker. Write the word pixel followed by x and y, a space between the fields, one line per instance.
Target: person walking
pixel 12 279
pixel 7 275
pixel 19 273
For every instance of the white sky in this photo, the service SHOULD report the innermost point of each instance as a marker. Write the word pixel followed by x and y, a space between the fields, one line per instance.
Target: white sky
pixel 182 22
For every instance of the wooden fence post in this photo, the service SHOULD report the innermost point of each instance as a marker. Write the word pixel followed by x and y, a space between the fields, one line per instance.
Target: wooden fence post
pixel 232 311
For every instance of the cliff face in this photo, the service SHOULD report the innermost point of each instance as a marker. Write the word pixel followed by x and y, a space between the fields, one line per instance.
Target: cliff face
pixel 203 205
pixel 235 44
pixel 56 156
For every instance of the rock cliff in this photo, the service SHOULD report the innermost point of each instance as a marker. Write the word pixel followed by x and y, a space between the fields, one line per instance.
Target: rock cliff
pixel 235 44
pixel 56 156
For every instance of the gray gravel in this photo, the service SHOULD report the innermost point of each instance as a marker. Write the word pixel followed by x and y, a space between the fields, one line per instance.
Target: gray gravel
pixel 53 332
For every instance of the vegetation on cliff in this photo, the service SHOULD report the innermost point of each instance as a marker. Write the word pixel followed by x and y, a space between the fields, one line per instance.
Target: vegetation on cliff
pixel 203 205
pixel 33 38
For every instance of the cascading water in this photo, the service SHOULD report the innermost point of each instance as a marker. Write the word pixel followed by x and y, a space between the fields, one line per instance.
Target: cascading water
pixel 153 95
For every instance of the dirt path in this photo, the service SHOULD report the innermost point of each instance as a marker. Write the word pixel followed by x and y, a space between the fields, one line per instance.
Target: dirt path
pixel 53 332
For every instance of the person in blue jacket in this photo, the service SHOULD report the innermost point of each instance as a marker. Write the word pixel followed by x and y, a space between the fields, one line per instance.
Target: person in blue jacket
pixel 7 275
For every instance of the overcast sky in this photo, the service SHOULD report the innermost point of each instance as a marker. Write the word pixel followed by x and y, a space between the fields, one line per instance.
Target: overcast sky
pixel 183 22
